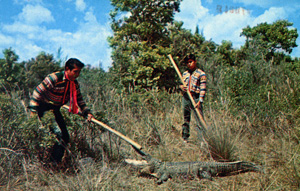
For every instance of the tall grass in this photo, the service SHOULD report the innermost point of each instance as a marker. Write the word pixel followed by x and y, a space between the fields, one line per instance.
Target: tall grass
pixel 153 120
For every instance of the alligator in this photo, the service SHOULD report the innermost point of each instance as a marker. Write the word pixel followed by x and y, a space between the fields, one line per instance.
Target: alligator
pixel 203 170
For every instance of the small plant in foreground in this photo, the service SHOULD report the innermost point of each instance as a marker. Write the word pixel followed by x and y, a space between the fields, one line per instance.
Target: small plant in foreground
pixel 221 144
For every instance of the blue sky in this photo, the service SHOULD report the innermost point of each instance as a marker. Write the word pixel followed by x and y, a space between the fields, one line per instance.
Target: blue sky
pixel 81 27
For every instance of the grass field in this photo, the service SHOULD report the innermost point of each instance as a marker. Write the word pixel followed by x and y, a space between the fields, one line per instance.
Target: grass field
pixel 155 123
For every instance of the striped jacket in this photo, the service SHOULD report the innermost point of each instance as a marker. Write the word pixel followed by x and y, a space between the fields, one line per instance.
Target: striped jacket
pixel 196 82
pixel 52 90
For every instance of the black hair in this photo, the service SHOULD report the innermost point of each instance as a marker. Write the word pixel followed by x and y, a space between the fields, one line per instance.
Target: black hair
pixel 189 57
pixel 72 62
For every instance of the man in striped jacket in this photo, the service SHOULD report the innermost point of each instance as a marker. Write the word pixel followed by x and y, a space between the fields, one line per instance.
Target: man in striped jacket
pixel 56 90
pixel 195 82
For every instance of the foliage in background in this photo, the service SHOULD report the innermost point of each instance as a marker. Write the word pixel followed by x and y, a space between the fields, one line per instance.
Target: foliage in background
pixel 36 69
pixel 276 37
pixel 141 42
pixel 10 71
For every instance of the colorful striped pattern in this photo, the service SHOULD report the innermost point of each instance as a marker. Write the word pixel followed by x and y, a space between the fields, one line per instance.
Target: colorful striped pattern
pixel 52 90
pixel 197 82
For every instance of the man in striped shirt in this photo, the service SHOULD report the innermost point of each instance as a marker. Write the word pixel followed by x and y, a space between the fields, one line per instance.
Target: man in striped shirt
pixel 195 82
pixel 56 90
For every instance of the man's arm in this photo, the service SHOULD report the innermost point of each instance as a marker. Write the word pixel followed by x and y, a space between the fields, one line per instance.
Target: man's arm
pixel 39 91
pixel 202 87
pixel 202 90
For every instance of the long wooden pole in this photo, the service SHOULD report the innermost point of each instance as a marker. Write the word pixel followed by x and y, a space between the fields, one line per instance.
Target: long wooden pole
pixel 127 139
pixel 203 124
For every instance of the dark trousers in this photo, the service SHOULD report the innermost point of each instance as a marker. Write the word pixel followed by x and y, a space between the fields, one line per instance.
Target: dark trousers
pixel 188 108
pixel 62 133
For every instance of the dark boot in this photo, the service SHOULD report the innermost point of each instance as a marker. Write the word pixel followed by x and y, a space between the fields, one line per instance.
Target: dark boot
pixel 57 153
pixel 185 131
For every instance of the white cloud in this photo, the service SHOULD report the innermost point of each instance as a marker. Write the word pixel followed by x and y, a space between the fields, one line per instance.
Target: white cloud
pixel 19 27
pixel 271 16
pixel 227 25
pixel 88 43
pixel 35 14
pixel 190 15
pixel 91 40
pixel 5 40
pixel 80 5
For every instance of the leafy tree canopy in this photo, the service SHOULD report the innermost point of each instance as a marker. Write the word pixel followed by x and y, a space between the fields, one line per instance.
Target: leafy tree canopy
pixel 141 41
pixel 9 70
pixel 36 69
pixel 276 36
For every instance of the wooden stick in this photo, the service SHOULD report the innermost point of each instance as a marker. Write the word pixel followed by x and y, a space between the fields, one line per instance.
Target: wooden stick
pixel 203 124
pixel 127 139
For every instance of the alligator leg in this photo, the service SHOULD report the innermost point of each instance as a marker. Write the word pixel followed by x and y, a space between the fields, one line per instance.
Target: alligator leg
pixel 163 178
pixel 205 174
